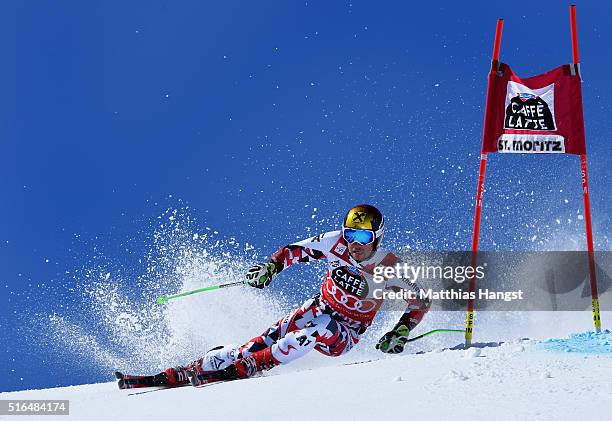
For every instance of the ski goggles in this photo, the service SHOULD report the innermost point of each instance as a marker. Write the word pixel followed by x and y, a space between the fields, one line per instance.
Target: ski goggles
pixel 363 237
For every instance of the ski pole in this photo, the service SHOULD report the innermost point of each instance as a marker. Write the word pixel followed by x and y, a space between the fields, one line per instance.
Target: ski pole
pixel 434 331
pixel 414 339
pixel 162 300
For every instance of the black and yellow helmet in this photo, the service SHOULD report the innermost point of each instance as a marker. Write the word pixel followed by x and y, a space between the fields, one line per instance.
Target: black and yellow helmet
pixel 365 217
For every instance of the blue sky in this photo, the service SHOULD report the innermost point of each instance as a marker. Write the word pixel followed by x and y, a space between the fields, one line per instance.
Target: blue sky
pixel 252 114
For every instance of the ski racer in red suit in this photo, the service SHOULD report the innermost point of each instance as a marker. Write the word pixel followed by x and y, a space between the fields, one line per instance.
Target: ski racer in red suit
pixel 332 321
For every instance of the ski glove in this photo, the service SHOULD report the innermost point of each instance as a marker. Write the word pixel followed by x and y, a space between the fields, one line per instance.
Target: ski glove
pixel 393 342
pixel 260 275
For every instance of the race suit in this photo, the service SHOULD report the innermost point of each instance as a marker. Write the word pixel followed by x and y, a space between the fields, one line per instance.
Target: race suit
pixel 332 321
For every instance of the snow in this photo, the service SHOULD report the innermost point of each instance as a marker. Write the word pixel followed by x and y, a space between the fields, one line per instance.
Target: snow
pixel 520 379
pixel 503 377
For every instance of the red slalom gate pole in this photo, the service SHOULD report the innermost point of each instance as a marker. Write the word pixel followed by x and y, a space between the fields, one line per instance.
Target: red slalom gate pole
pixel 469 317
pixel 585 190
pixel 575 57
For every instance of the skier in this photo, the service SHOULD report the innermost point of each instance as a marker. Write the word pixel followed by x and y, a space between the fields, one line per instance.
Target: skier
pixel 330 322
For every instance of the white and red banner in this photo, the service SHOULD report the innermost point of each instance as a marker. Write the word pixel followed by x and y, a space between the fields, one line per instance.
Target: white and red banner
pixel 540 114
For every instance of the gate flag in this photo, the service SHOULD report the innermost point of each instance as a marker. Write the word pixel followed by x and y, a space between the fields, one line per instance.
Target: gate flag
pixel 540 114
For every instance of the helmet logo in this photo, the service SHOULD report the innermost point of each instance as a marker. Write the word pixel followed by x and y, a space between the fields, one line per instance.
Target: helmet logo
pixel 359 217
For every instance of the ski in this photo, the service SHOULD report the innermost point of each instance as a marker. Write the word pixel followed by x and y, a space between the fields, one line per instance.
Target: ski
pixel 149 390
pixel 125 381
pixel 206 380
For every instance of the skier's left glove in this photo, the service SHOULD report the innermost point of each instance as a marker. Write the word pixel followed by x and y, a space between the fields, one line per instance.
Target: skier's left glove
pixel 393 342
pixel 261 274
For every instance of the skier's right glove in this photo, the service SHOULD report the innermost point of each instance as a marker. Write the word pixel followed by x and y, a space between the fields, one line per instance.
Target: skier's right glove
pixel 261 274
pixel 393 342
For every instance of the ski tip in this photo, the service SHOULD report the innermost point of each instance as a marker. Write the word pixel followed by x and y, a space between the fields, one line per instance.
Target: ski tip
pixel 120 381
